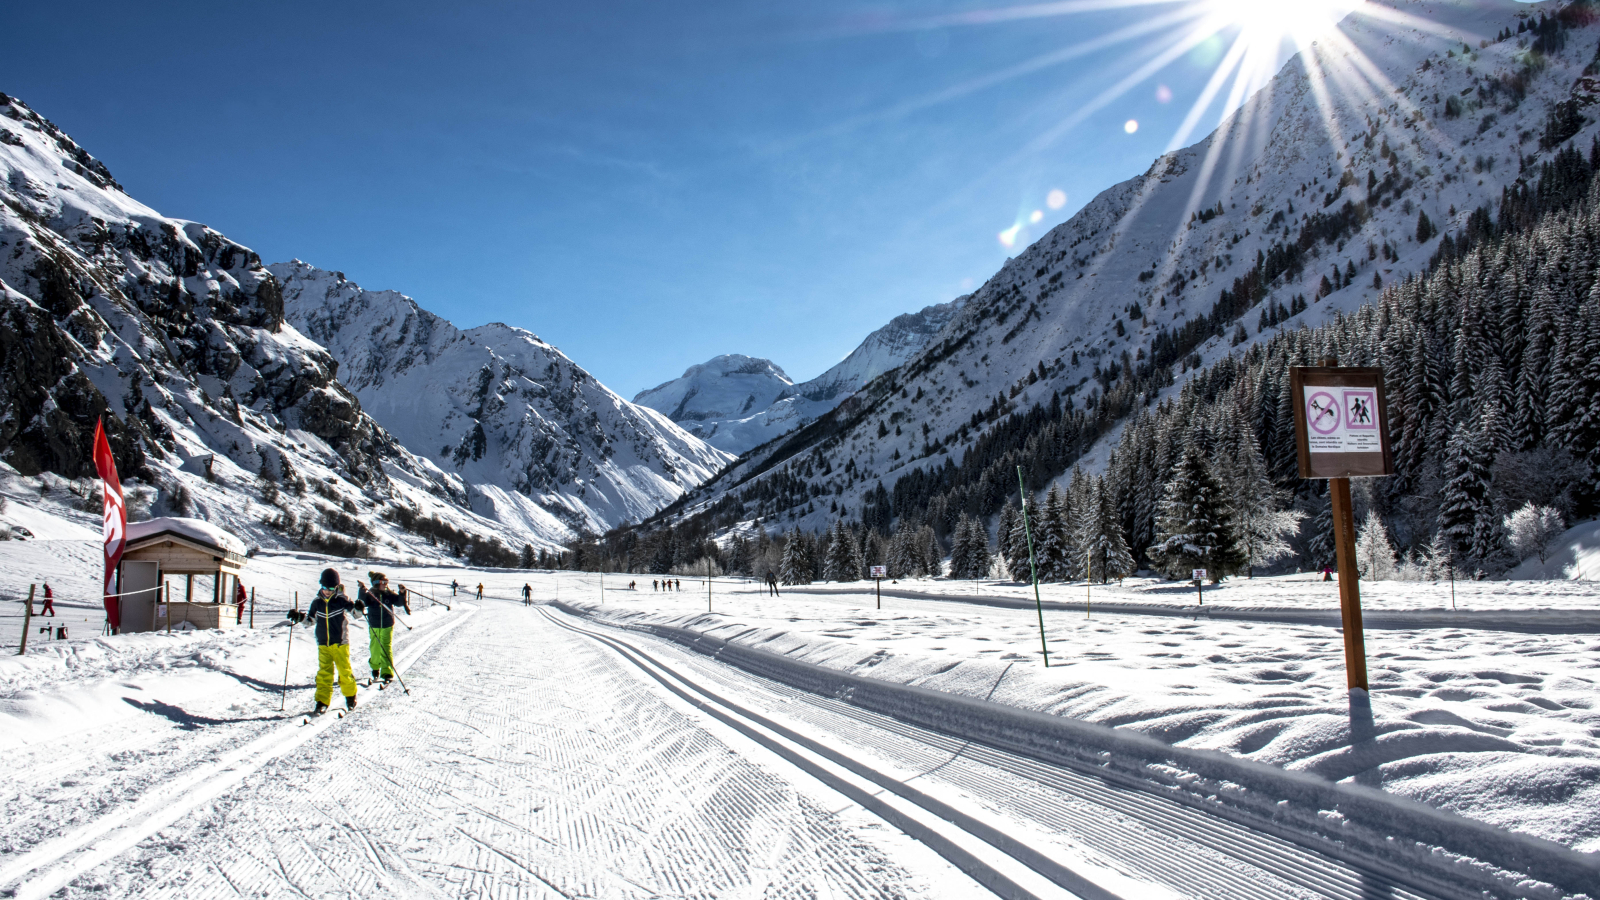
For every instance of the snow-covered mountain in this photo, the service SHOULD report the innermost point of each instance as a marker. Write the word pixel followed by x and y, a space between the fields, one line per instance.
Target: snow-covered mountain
pixel 1297 208
pixel 540 444
pixel 737 403
pixel 218 407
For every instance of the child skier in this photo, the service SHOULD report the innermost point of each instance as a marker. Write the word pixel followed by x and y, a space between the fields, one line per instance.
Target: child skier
pixel 381 603
pixel 327 612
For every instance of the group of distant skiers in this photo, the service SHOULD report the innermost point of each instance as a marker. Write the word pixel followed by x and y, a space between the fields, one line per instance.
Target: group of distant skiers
pixel 328 612
pixel 666 584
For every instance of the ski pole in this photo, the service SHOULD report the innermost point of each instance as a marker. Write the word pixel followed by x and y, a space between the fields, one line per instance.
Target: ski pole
pixel 283 695
pixel 396 670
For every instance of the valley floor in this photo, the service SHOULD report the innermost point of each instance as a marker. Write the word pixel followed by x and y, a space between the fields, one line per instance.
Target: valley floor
pixel 580 747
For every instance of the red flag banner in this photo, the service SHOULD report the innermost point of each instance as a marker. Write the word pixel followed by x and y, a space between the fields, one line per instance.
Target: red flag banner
pixel 115 531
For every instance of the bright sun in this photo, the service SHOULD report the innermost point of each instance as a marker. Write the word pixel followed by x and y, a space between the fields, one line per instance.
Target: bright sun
pixel 1263 22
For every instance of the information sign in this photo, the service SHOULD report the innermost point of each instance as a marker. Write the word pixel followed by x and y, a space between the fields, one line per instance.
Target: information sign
pixel 880 571
pixel 1199 575
pixel 1340 419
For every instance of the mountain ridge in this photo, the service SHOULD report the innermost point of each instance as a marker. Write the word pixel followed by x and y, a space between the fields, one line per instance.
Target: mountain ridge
pixel 710 402
pixel 1109 311
pixel 531 433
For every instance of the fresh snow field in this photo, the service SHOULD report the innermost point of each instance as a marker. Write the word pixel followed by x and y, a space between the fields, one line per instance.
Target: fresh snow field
pixel 544 751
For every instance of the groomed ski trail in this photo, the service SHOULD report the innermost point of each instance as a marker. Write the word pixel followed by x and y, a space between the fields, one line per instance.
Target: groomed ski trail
pixel 528 762
pixel 58 861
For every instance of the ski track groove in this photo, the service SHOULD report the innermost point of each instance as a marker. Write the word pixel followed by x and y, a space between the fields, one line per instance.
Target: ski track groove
pixel 1213 847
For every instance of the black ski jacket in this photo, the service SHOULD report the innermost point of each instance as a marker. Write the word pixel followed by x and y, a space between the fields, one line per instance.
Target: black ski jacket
pixel 377 615
pixel 327 613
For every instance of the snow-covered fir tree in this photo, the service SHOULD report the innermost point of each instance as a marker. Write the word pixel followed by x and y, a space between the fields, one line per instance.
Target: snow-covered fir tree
pixel 1013 553
pixel 1101 538
pixel 840 562
pixel 1263 523
pixel 1195 531
pixel 1052 542
pixel 969 550
pixel 796 565
pixel 1466 501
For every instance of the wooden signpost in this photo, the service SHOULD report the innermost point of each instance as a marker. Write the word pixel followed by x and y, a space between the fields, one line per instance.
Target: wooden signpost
pixel 878 572
pixel 1341 432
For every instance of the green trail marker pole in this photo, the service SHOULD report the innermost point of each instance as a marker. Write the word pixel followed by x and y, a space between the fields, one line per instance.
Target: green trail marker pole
pixel 1033 567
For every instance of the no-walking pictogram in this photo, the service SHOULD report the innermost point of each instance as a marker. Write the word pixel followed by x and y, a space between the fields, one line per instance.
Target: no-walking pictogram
pixel 1361 409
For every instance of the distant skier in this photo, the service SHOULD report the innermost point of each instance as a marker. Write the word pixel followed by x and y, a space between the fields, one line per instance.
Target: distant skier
pixel 653 584
pixel 480 590
pixel 527 593
pixel 239 598
pixel 453 587
pixel 772 584
pixel 381 603
pixel 1327 573
pixel 328 613
pixel 49 601
pixel 677 584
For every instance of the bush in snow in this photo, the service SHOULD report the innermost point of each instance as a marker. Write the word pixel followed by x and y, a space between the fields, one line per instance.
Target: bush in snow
pixel 139 499
pixel 1374 554
pixel 1531 529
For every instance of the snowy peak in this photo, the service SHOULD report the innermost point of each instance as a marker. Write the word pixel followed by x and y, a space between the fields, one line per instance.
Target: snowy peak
pixel 539 441
pixel 882 350
pixel 724 387
pixel 736 402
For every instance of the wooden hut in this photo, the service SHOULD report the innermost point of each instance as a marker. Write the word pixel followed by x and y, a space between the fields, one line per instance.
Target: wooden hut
pixel 158 553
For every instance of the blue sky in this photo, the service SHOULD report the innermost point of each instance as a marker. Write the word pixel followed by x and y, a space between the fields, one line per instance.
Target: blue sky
pixel 645 185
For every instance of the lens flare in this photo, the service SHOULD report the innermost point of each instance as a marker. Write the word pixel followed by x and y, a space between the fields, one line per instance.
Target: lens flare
pixel 1056 199
pixel 1036 217
pixel 1130 126
pixel 1163 94
pixel 1008 238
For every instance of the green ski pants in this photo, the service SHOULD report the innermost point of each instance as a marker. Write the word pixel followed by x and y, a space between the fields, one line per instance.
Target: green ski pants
pixel 381 656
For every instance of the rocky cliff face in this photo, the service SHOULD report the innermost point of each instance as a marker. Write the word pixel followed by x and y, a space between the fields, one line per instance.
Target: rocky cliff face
pixel 539 443
pixel 175 337
pixel 736 403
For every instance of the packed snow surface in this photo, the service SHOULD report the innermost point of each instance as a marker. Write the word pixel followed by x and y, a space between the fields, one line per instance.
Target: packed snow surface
pixel 1493 725
pixel 527 757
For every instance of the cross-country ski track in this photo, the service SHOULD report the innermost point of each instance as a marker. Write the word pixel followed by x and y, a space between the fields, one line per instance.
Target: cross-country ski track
pixel 541 755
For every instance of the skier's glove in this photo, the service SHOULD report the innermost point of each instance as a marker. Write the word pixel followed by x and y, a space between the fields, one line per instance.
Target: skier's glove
pixel 295 616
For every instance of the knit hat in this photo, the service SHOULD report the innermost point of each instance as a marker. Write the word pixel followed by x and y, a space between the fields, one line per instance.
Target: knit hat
pixel 376 577
pixel 330 578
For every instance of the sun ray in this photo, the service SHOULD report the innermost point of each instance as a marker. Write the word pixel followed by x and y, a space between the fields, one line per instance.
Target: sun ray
pixel 1027 67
